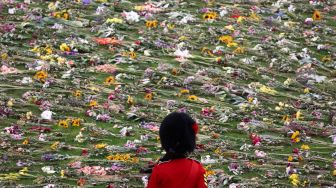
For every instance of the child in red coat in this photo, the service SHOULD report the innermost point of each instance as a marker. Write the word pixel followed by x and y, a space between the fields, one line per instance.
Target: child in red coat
pixel 174 170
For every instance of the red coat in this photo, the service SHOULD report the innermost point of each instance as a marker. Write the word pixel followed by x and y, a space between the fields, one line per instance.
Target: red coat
pixel 178 173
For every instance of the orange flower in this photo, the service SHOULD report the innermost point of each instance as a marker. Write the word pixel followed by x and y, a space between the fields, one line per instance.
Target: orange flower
pixel 41 75
pixel 93 103
pixel 317 15
pixel 76 122
pixel 149 96
pixel 26 141
pixel 226 39
pixel 150 24
pixel 106 41
pixel 109 80
pixel 77 93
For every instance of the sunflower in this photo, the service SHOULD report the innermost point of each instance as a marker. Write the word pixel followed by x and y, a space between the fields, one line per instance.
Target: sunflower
pixel 226 39
pixel 41 75
pixel 109 80
pixel 132 55
pixel 93 103
pixel 317 15
pixel 63 123
pixel 76 122
pixel 77 93
pixel 149 96
pixel 26 141
pixel 192 98
pixel 150 24
pixel 210 16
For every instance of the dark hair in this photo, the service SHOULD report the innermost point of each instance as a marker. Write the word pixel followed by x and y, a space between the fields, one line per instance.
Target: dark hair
pixel 177 135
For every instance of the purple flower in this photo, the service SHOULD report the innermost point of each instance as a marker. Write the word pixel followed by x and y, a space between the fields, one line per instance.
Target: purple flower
pixel 86 2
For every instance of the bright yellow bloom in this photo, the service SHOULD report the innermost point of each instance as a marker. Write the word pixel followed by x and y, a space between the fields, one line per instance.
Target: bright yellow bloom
pixel 150 24
pixel 306 90
pixel 114 20
pixel 26 141
pixel 77 93
pixel 63 123
pixel 290 158
pixel 294 179
pixel 226 39
pixel 100 146
pixel 305 147
pixel 64 47
pixel 54 145
pixel 268 90
pixel 232 44
pixel 210 16
pixel 254 17
pixel 184 91
pixel 93 103
pixel 41 75
pixel 298 115
pixel 295 134
pixel 239 50
pixel 192 98
pixel 109 80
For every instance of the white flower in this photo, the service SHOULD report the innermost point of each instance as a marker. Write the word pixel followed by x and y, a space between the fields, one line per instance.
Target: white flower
pixel 132 16
pixel 47 114
pixel 182 53
pixel 147 53
pixel 291 8
pixel 27 80
pixel 48 169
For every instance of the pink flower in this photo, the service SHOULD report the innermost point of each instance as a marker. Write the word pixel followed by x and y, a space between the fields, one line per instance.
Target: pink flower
pixel 260 154
pixel 7 70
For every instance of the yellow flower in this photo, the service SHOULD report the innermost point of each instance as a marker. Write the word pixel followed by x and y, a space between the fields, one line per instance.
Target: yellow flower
pixel 294 179
pixel 298 115
pixel 26 141
pixel 77 93
pixel 109 80
pixel 286 118
pixel 254 16
pixel 290 158
pixel 306 90
pixel 232 44
pixel 100 146
pixel 150 24
pixel 326 58
pixel 184 91
pixel 240 19
pixel 63 123
pixel 170 26
pixel 229 27
pixel 317 15
pixel 268 90
pixel 4 56
pixel 130 100
pixel 93 103
pixel 114 20
pixel 174 71
pixel 132 55
pixel 226 39
pixel 193 98
pixel 149 96
pixel 76 122
pixel 239 50
pixel 139 8
pixel 65 16
pixel 54 145
pixel 64 47
pixel 48 50
pixel 295 134
pixel 334 173
pixel 41 75
pixel 23 171
pixel 305 147
pixel 210 16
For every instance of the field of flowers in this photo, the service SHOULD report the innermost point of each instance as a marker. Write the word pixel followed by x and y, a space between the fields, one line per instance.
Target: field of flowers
pixel 84 85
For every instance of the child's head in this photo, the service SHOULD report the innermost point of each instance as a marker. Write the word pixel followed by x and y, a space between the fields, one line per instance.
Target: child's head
pixel 178 133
